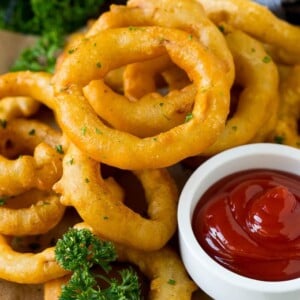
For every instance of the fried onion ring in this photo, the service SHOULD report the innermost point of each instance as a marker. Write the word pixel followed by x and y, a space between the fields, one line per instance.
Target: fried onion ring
pixel 121 149
pixel 259 81
pixel 53 288
pixel 91 197
pixel 164 268
pixel 28 268
pixel 155 113
pixel 35 85
pixel 31 213
pixel 139 78
pixel 20 138
pixel 168 111
pixel 258 21
pixel 185 15
pixel 286 130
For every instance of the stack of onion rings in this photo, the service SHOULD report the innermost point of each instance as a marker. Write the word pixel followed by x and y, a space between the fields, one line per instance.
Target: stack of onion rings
pixel 107 104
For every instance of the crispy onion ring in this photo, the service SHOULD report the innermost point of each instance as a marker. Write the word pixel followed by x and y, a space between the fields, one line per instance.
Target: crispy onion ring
pixel 29 84
pixel 259 81
pixel 53 288
pixel 114 78
pixel 256 20
pixel 14 107
pixel 185 15
pixel 23 135
pixel 139 78
pixel 28 268
pixel 168 111
pixel 286 130
pixel 155 113
pixel 34 212
pixel 163 267
pixel 42 170
pixel 121 149
pixel 114 220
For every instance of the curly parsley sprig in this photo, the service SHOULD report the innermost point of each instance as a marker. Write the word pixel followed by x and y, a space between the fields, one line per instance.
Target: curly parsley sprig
pixel 78 251
pixel 50 21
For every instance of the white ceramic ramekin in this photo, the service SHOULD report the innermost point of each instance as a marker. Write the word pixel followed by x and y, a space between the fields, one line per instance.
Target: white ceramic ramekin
pixel 217 281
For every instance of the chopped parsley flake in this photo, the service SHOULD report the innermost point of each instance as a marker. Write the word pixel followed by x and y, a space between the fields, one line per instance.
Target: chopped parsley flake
pixel 59 149
pixel 278 139
pixel 3 123
pixel 188 117
pixel 171 281
pixel 132 28
pixel 221 28
pixel 266 59
pixel 98 131
pixel 83 130
pixel 71 51
pixel 98 65
pixel 31 132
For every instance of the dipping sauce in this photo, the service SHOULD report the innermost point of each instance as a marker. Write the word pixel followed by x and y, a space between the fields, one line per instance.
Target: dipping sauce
pixel 249 222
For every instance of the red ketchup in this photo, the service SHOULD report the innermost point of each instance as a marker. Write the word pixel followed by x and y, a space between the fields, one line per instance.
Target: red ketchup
pixel 249 222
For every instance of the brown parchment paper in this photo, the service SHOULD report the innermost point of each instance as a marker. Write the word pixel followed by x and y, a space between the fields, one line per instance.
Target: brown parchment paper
pixel 11 44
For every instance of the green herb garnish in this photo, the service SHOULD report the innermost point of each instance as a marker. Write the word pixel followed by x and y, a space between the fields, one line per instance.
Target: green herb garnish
pixel 78 251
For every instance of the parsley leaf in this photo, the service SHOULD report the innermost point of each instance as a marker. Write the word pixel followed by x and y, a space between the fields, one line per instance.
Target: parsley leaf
pixel 78 251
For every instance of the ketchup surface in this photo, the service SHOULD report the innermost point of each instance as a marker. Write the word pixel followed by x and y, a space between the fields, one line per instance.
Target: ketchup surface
pixel 249 222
